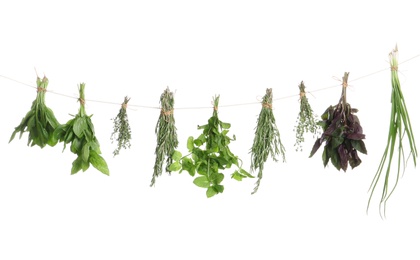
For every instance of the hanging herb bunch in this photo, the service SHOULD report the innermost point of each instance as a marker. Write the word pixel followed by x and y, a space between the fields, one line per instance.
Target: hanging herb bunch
pixel 122 130
pixel 40 121
pixel 399 128
pixel 167 138
pixel 208 154
pixel 305 121
pixel 342 134
pixel 267 139
pixel 79 132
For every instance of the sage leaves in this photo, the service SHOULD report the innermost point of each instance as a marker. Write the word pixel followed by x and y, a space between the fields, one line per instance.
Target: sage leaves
pixel 267 138
pixel 399 128
pixel 79 132
pixel 40 121
pixel 122 130
pixel 167 138
pixel 209 154
pixel 342 134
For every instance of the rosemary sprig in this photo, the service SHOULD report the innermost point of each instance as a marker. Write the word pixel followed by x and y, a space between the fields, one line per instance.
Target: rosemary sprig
pixel 399 128
pixel 267 139
pixel 305 120
pixel 122 130
pixel 167 138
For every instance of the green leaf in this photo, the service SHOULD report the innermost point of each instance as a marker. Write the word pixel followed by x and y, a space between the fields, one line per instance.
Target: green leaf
pixel 202 182
pixel 79 126
pixel 98 162
pixel 225 125
pixel 359 145
pixel 247 174
pixel 176 156
pixel 211 191
pixel 190 143
pixel 76 165
pixel 219 188
pixel 175 166
pixel 237 176
pixel 188 165
pixel 85 152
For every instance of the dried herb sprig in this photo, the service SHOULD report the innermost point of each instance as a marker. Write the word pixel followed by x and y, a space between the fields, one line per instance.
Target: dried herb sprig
pixel 122 130
pixel 305 121
pixel 40 121
pixel 167 138
pixel 208 154
pixel 80 132
pixel 399 127
pixel 342 134
pixel 267 139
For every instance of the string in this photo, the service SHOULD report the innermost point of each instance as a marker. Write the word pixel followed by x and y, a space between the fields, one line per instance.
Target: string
pixel 207 107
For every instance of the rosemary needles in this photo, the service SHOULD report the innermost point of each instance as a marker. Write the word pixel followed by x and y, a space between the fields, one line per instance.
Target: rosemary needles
pixel 167 138
pixel 267 138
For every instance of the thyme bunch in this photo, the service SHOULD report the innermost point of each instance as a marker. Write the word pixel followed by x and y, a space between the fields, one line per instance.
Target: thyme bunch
pixel 122 130
pixel 305 121
pixel 167 138
pixel 267 139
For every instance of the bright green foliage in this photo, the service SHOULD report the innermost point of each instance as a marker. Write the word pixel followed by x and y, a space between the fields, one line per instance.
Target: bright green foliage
pixel 167 138
pixel 122 130
pixel 266 141
pixel 305 120
pixel 79 132
pixel 40 121
pixel 399 127
pixel 209 155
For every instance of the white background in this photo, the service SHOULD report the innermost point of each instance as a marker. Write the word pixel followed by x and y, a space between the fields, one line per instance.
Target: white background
pixel 235 49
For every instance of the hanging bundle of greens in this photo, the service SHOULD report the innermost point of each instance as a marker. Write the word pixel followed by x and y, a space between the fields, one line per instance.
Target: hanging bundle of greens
pixel 167 138
pixel 399 128
pixel 267 138
pixel 342 134
pixel 80 133
pixel 122 130
pixel 40 121
pixel 305 120
pixel 208 154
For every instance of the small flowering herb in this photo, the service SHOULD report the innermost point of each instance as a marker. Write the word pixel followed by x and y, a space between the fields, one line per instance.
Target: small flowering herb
pixel 40 121
pixel 342 134
pixel 305 120
pixel 210 153
pixel 267 138
pixel 167 138
pixel 399 127
pixel 80 133
pixel 122 130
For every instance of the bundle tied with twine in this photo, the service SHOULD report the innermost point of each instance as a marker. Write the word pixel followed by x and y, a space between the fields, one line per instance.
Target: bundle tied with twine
pixel 167 139
pixel 266 140
pixel 122 129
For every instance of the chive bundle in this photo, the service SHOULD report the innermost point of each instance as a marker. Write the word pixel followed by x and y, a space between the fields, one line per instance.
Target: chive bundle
pixel 399 128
